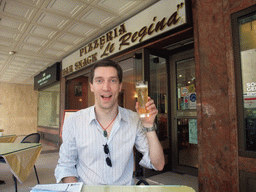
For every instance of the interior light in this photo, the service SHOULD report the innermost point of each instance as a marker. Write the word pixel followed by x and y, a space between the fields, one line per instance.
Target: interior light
pixel 11 52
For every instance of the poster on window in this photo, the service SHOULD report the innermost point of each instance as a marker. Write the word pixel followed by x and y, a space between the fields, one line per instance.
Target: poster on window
pixel 192 126
pixel 250 100
pixel 192 101
pixel 184 99
pixel 184 91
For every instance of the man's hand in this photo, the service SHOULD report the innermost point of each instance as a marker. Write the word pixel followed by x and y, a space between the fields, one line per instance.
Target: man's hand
pixel 69 180
pixel 151 107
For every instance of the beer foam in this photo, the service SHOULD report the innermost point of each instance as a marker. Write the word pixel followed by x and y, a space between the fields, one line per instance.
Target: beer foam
pixel 141 86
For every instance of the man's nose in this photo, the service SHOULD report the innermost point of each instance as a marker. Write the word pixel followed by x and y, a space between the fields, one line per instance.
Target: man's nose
pixel 106 85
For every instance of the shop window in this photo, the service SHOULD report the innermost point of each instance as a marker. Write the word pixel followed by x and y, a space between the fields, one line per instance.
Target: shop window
pixel 186 106
pixel 48 107
pixel 244 30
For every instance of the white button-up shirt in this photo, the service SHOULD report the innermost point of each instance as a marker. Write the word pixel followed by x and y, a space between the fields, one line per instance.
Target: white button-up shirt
pixel 82 151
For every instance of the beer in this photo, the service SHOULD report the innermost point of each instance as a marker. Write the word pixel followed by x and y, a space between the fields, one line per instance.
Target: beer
pixel 142 93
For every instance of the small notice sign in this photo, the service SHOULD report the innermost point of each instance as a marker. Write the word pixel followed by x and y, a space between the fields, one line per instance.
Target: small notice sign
pixel 192 101
pixel 192 125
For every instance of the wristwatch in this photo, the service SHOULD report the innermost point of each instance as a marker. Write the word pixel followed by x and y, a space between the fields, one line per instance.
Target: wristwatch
pixel 149 129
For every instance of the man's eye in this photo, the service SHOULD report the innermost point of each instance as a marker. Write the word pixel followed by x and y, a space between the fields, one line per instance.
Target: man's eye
pixel 98 81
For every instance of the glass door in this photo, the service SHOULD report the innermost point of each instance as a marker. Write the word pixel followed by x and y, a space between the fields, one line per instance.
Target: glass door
pixel 184 114
pixel 158 91
pixel 172 86
pixel 155 72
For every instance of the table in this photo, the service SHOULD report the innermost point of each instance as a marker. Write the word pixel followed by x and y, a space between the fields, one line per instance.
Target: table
pixel 20 158
pixel 7 138
pixel 137 188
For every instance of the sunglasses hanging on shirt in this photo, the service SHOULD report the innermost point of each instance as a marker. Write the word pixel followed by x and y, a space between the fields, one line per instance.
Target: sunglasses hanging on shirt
pixel 108 160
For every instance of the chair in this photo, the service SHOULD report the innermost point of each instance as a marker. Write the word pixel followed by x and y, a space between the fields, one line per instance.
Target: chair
pixel 142 181
pixel 138 173
pixel 31 138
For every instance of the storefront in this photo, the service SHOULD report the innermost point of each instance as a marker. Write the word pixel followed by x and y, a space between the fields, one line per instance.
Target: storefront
pixel 191 53
pixel 48 107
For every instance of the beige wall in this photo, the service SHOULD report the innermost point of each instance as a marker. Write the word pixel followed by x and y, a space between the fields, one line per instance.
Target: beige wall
pixel 18 109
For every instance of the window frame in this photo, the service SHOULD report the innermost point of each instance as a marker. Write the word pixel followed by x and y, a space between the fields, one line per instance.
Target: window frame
pixel 239 84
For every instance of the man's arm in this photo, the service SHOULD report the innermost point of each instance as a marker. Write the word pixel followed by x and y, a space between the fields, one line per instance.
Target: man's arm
pixel 156 153
pixel 66 168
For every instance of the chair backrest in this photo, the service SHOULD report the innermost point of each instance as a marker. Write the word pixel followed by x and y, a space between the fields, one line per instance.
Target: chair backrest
pixel 31 138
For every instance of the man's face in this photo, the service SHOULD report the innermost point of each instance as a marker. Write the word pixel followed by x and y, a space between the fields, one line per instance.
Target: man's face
pixel 106 87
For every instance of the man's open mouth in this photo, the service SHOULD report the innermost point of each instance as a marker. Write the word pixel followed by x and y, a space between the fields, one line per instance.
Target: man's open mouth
pixel 106 96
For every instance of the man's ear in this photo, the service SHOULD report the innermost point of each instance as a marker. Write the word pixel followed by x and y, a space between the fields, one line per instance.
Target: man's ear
pixel 91 86
pixel 120 88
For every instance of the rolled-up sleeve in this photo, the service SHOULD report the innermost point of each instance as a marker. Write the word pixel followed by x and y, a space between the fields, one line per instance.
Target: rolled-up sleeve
pixel 142 146
pixel 68 154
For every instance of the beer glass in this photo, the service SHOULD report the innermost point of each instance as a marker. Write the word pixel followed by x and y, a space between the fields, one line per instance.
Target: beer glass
pixel 142 93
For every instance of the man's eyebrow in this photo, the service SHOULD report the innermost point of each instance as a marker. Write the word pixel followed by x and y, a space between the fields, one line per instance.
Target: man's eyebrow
pixel 114 77
pixel 98 77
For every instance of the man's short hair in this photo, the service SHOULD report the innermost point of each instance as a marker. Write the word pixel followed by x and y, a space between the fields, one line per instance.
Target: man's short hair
pixel 107 63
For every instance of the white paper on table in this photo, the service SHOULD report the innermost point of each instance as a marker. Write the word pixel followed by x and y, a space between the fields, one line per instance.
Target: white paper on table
pixel 59 187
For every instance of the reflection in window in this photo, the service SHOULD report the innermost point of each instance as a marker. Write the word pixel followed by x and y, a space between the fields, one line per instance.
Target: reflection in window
pixel 48 107
pixel 247 35
pixel 186 100
pixel 127 97
pixel 187 142
pixel 158 83
pixel 186 84
pixel 158 92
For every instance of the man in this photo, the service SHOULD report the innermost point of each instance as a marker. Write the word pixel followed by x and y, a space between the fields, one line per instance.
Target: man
pixel 98 142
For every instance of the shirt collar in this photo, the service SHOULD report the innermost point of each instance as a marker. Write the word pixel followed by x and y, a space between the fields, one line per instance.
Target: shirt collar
pixel 92 115
pixel 121 114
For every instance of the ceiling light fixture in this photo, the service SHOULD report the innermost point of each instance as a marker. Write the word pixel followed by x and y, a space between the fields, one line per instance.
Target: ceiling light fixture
pixel 12 52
